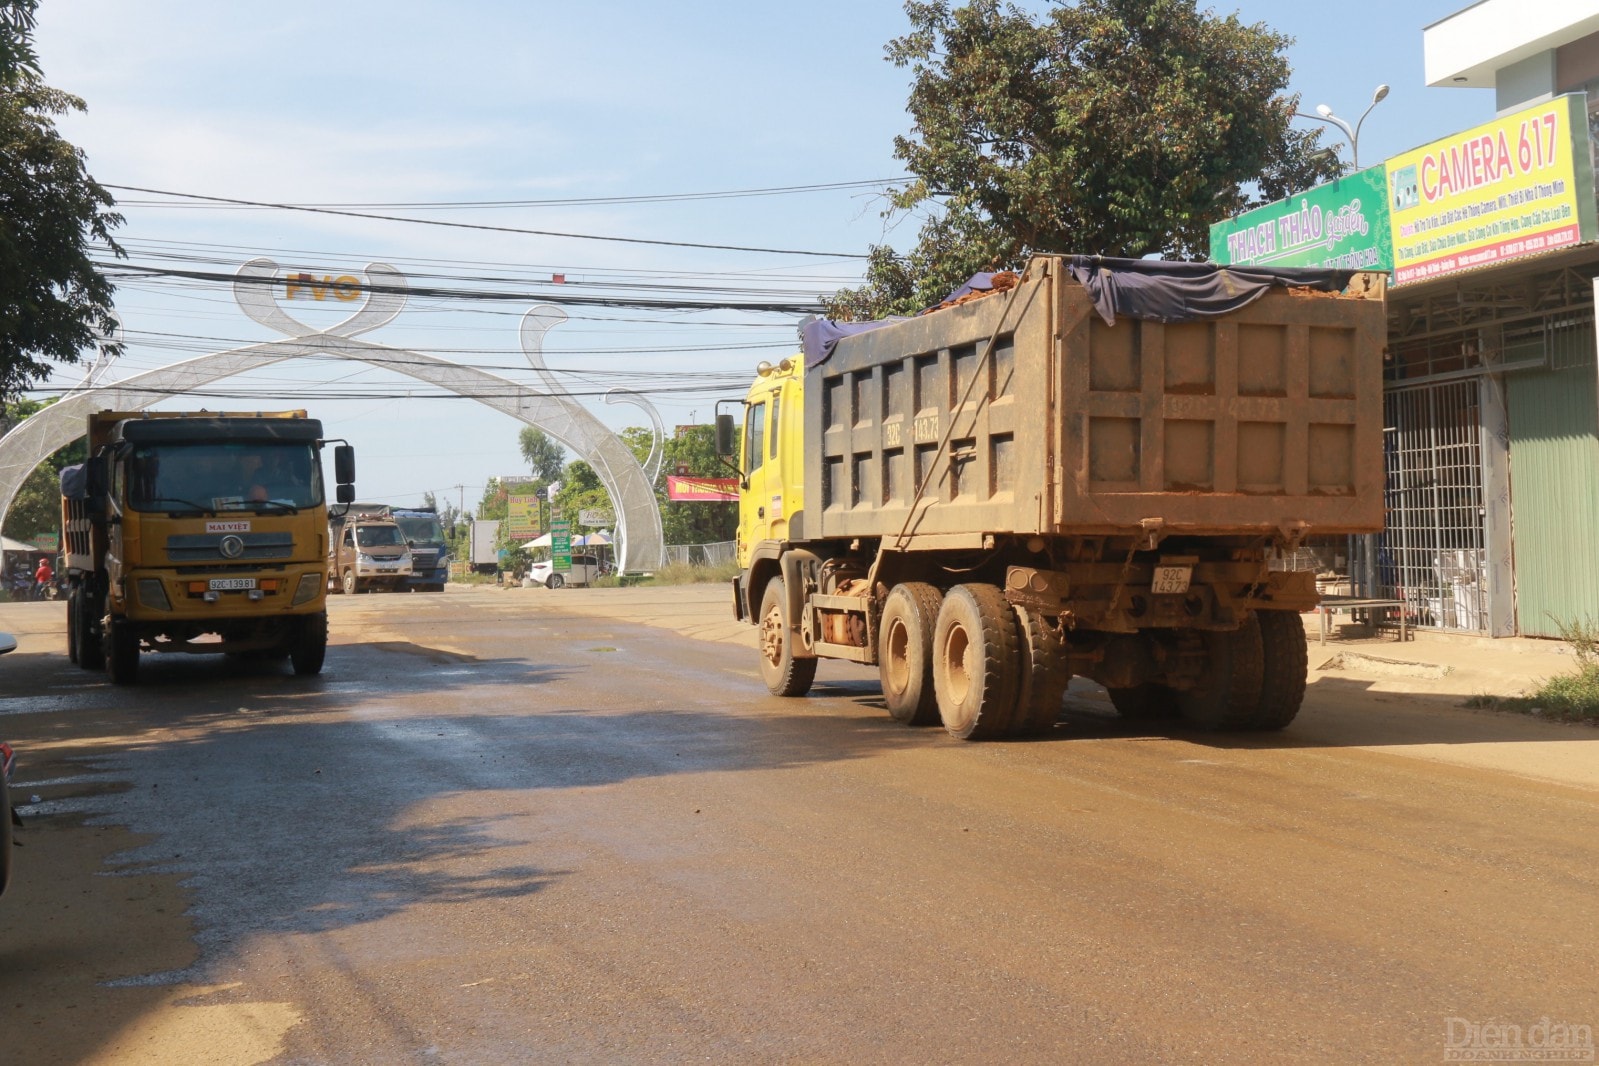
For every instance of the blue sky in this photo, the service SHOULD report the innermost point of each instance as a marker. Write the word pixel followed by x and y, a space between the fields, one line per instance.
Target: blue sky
pixel 396 102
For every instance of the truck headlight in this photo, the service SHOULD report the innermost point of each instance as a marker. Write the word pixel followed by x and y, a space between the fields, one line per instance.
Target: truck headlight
pixel 154 594
pixel 362 557
pixel 308 587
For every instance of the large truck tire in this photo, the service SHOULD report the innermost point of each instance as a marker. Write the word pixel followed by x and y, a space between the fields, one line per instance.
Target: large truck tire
pixel 91 642
pixel 1044 676
pixel 122 652
pixel 975 662
pixel 905 652
pixel 1149 702
pixel 72 625
pixel 310 645
pixel 783 673
pixel 1284 660
pixel 1227 696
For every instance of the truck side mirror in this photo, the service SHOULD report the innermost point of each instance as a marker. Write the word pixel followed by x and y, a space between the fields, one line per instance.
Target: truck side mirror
pixel 345 492
pixel 344 468
pixel 724 435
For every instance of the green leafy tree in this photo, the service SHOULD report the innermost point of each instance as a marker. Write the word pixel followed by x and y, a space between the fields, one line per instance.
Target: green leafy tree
pixel 36 509
pixel 694 449
pixel 581 490
pixel 544 456
pixel 1112 127
pixel 54 302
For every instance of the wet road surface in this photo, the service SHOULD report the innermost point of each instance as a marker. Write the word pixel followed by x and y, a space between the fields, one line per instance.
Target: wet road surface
pixel 495 831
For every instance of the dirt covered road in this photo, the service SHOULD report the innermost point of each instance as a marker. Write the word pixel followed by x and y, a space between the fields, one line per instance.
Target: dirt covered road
pixel 512 827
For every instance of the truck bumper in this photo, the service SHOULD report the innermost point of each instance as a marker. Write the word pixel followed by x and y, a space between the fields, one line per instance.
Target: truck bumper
pixel 169 596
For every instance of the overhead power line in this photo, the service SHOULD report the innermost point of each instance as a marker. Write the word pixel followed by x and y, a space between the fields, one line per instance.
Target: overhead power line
pixel 116 269
pixel 480 226
pixel 575 201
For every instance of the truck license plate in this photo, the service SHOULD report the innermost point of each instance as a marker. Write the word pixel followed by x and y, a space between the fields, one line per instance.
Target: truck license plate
pixel 1171 580
pixel 229 584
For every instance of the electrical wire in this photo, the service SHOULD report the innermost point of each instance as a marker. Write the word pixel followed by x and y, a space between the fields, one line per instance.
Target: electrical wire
pixel 493 229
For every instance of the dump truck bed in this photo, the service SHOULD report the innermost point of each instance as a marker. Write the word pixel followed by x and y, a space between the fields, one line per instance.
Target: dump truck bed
pixel 1025 412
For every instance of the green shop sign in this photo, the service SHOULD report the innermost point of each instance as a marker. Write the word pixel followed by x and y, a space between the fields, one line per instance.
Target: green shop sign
pixel 1342 225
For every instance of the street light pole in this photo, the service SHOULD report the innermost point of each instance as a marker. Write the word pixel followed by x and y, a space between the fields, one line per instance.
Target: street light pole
pixel 1325 114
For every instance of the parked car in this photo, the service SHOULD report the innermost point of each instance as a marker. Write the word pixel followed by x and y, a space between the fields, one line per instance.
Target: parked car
pixel 7 763
pixel 586 570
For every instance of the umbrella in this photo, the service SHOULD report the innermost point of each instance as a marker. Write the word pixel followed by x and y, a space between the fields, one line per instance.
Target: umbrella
pixel 597 538
pixel 538 542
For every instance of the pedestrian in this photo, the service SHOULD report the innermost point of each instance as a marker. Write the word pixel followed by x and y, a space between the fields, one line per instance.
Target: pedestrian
pixel 42 577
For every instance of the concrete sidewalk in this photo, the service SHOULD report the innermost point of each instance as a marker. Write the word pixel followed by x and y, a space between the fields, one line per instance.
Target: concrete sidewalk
pixel 1438 665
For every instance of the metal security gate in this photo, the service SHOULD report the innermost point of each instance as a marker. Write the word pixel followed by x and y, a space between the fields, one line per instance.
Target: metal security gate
pixel 1433 552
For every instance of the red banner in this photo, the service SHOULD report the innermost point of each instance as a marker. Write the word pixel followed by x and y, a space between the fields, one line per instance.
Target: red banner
pixel 702 489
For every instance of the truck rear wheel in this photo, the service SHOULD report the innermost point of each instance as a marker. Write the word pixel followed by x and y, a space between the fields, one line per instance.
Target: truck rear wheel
pixel 1044 676
pixel 975 662
pixel 905 653
pixel 1284 658
pixel 310 645
pixel 783 673
pixel 1227 695
pixel 91 642
pixel 72 625
pixel 122 652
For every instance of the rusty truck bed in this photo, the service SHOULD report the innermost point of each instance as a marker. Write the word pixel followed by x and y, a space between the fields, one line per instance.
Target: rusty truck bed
pixel 1023 412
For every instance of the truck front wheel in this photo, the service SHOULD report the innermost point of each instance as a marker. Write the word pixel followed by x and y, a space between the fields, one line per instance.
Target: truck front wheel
pixel 905 653
pixel 783 673
pixel 122 652
pixel 310 646
pixel 976 662
pixel 350 584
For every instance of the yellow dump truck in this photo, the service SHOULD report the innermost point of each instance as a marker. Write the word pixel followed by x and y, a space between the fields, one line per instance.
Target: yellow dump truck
pixel 198 533
pixel 1089 470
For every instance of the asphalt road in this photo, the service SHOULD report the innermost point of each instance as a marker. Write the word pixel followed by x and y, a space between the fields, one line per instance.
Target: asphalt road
pixel 499 830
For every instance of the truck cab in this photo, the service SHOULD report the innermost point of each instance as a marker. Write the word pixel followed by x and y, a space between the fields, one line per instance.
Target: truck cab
pixel 771 459
pixel 367 552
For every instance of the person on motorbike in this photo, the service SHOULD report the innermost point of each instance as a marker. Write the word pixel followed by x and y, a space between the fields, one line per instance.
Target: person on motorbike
pixel 42 577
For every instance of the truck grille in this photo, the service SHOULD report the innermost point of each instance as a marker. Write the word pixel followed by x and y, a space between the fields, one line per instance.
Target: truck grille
pixel 207 547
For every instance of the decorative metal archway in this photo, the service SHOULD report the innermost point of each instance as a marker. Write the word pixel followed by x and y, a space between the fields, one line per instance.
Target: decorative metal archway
pixel 640 545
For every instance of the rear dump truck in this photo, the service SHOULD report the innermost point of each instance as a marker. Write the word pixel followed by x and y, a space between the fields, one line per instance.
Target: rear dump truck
pixel 198 533
pixel 1089 471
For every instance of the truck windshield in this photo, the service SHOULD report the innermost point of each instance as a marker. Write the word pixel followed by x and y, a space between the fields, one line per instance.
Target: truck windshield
pixel 422 530
pixel 379 537
pixel 231 476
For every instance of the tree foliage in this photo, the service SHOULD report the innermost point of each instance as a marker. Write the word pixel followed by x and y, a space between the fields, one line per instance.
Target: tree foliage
pixel 1110 127
pixel 54 302
pixel 36 509
pixel 544 455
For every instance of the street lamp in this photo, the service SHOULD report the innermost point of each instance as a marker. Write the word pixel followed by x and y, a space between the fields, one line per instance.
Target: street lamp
pixel 1325 114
